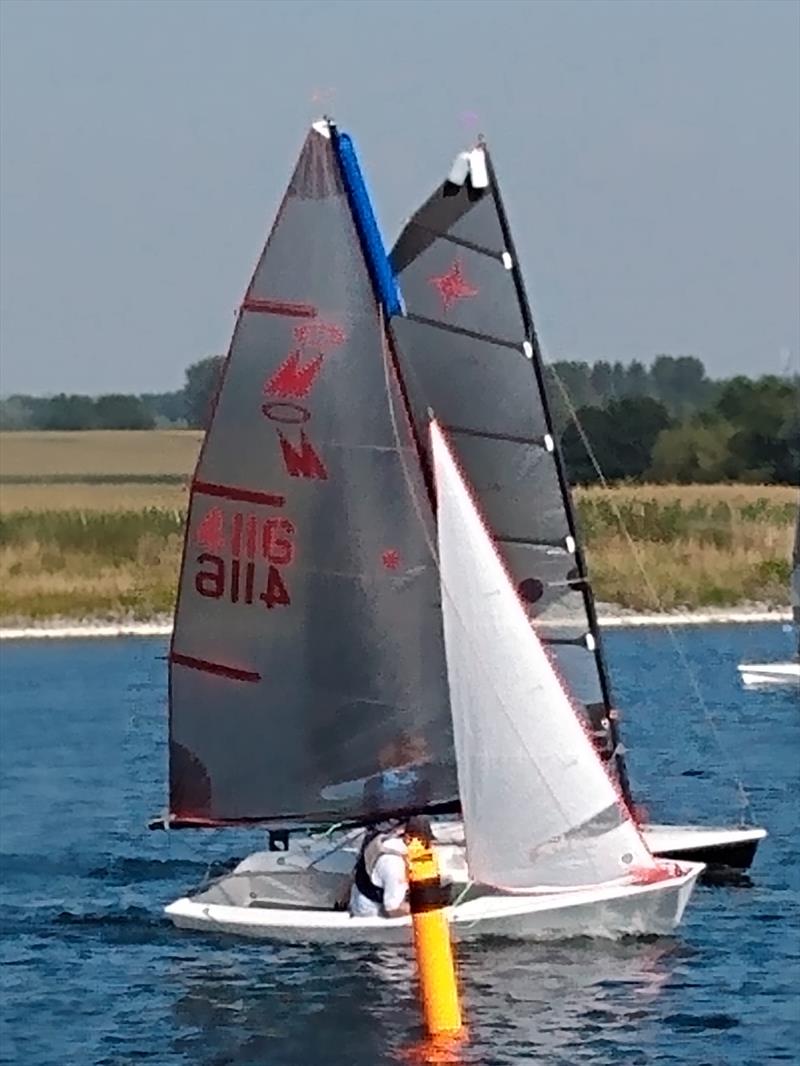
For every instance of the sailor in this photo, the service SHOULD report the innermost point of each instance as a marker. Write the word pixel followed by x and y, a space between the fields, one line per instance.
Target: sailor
pixel 380 884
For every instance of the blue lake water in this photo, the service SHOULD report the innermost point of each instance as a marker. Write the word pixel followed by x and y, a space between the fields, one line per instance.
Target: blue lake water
pixel 92 974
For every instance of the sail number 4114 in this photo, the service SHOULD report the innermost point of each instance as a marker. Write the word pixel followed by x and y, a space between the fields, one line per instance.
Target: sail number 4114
pixel 238 579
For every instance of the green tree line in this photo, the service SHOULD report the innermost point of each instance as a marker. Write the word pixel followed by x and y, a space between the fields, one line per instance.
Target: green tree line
pixel 671 423
pixel 664 422
pixel 189 407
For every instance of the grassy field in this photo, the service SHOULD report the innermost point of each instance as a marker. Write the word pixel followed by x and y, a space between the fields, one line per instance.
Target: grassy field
pixel 91 526
pixel 150 453
pixel 659 547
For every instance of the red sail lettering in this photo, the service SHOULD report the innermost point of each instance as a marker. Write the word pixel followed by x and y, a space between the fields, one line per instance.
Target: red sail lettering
pixel 278 549
pixel 210 582
pixel 210 533
pixel 275 593
pixel 252 527
pixel 236 535
pixel 303 462
pixel 249 578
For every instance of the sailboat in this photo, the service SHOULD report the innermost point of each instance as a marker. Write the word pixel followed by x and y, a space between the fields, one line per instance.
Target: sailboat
pixel 468 349
pixel 340 656
pixel 788 672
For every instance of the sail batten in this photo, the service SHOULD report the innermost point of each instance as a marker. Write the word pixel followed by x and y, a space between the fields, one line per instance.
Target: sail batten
pixel 541 542
pixel 306 680
pixel 464 311
pixel 449 327
pixel 467 431
pixel 492 253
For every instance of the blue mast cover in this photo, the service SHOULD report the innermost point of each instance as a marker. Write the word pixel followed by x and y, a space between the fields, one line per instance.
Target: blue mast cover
pixel 371 240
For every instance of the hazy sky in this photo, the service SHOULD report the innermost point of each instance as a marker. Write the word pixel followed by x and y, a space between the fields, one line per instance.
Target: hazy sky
pixel 649 154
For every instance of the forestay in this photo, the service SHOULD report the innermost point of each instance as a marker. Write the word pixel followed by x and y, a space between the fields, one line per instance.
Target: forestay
pixel 306 662
pixel 539 808
pixel 468 351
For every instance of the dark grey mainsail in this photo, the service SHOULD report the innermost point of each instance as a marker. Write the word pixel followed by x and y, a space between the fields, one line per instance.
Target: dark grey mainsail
pixel 306 678
pixel 468 350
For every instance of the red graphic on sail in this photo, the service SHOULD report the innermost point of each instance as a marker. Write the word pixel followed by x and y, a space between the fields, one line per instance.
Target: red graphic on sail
pixel 321 336
pixel 453 286
pixel 293 379
pixel 302 462
pixel 210 534
pixel 391 558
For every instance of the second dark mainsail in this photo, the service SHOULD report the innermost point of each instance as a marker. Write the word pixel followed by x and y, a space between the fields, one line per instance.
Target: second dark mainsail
pixel 469 352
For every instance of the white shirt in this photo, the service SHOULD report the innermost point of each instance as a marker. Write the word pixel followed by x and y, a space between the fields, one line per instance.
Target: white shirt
pixel 388 874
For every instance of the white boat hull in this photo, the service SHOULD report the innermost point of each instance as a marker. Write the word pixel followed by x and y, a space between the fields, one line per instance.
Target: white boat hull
pixel 609 911
pixel 770 673
pixel 715 847
pixel 231 904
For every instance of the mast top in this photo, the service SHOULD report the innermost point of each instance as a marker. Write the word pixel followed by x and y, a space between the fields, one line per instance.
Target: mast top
pixel 470 165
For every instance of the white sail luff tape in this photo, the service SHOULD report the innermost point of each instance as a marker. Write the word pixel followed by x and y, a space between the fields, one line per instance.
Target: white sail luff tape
pixel 549 443
pixel 508 261
pixel 460 169
pixel 591 643
pixel 527 349
pixel 569 544
pixel 479 172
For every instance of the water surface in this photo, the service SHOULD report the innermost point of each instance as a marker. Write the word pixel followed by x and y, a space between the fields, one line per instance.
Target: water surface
pixel 92 974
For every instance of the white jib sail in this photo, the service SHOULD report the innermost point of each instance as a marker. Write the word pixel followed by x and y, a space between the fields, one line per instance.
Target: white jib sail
pixel 539 808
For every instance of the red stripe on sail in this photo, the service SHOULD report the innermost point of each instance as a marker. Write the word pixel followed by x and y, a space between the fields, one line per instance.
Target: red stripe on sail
pixel 220 669
pixel 232 492
pixel 279 307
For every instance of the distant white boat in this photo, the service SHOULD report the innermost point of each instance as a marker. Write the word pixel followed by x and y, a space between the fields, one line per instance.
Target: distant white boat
pixel 788 672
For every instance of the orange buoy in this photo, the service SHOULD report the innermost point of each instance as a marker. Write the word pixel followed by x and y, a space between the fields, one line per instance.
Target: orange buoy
pixel 432 947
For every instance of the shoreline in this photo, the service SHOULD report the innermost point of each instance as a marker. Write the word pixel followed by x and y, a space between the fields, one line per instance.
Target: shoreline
pixel 608 617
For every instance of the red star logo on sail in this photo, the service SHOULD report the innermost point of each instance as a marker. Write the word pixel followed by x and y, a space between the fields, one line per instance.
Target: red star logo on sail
pixel 453 286
pixel 391 558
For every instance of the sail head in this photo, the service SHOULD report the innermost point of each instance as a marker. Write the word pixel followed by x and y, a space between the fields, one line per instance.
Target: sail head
pixel 305 677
